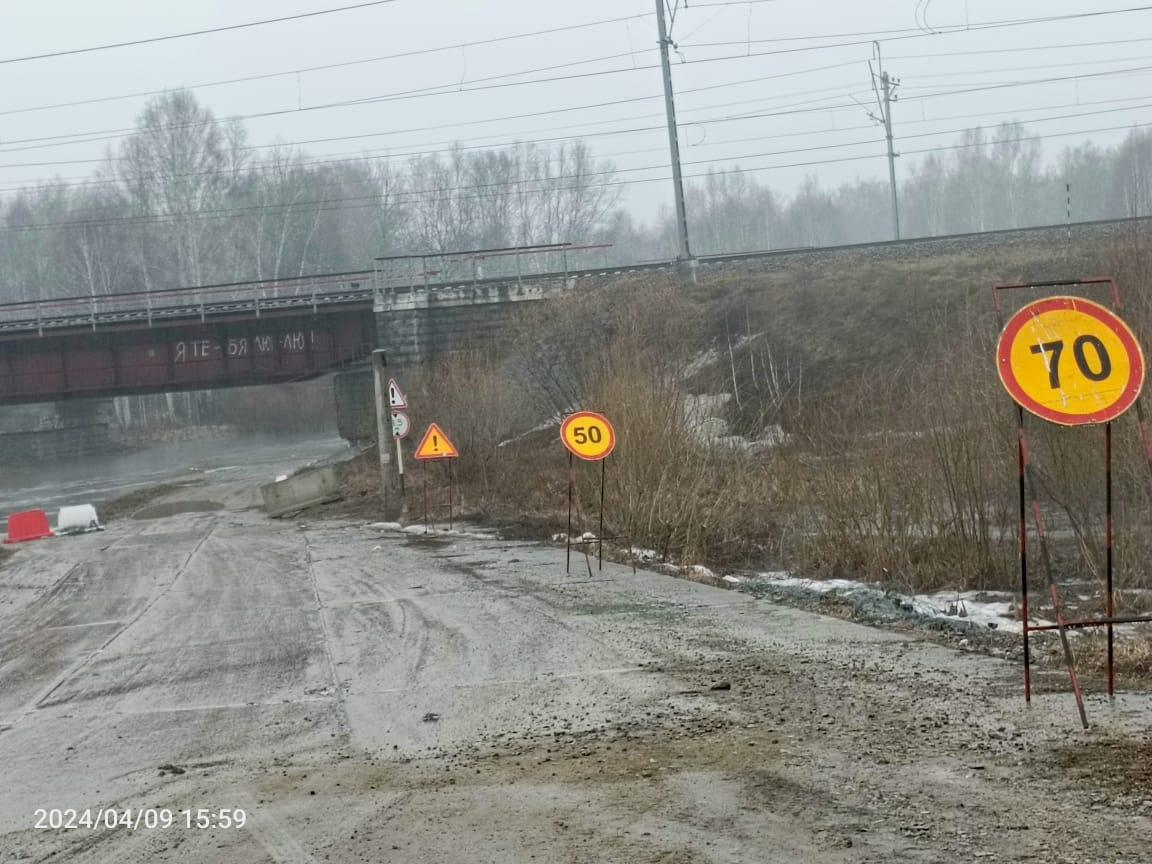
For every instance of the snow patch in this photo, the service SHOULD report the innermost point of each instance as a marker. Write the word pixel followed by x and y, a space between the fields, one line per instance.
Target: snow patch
pixel 539 427
pixel 992 610
pixel 640 554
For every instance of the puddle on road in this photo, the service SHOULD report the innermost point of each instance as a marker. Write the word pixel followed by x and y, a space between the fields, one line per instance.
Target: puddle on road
pixel 175 508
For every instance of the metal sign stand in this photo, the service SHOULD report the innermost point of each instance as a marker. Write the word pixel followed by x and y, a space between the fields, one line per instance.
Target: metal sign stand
pixel 400 466
pixel 1028 499
pixel 451 491
pixel 600 537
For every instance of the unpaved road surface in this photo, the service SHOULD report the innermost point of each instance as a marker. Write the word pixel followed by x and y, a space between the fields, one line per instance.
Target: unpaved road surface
pixel 367 695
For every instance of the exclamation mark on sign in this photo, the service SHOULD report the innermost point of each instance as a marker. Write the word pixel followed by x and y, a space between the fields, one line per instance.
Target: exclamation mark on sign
pixel 435 443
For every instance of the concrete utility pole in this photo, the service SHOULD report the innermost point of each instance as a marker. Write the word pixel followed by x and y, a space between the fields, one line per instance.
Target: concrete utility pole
pixel 682 254
pixel 389 494
pixel 888 85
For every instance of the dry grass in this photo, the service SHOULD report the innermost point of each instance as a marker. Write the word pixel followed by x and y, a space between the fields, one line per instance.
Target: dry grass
pixel 899 463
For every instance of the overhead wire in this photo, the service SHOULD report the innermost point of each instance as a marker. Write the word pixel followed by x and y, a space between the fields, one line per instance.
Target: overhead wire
pixel 447 88
pixel 44 142
pixel 204 32
pixel 422 194
pixel 330 66
pixel 822 108
pixel 392 154
pixel 900 34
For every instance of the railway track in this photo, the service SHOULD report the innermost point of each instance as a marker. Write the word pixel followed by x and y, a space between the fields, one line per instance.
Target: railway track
pixel 355 288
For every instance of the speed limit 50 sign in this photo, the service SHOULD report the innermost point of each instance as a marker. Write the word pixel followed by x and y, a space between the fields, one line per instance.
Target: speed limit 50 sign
pixel 1070 361
pixel 588 435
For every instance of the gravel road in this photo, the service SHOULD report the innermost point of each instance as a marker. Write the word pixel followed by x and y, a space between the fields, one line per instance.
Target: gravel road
pixel 367 695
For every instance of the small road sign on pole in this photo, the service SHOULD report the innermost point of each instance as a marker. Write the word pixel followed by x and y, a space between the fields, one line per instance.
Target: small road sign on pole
pixel 396 397
pixel 588 435
pixel 1070 361
pixel 401 425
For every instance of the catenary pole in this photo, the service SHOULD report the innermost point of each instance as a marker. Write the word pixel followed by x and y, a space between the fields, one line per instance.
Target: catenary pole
pixel 889 86
pixel 683 254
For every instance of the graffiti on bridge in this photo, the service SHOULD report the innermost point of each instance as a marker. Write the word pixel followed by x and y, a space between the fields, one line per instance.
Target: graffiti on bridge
pixel 186 351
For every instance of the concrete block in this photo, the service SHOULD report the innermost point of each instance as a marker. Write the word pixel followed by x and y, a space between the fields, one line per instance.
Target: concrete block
pixel 310 486
pixel 77 519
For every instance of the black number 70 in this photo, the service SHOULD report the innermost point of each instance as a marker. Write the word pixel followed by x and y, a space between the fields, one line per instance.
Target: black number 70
pixel 1057 348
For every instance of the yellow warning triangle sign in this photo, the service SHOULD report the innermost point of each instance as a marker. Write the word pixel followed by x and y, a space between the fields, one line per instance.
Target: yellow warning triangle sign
pixel 435 445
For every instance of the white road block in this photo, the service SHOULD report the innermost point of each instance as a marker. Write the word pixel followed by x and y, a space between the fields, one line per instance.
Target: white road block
pixel 77 519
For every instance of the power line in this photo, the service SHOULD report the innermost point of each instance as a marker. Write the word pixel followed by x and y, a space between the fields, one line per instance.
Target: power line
pixel 39 142
pixel 995 142
pixel 653 128
pixel 184 35
pixel 981 88
pixel 441 147
pixel 435 147
pixel 1029 109
pixel 422 194
pixel 446 89
pixel 787 111
pixel 917 33
pixel 1019 49
pixel 728 3
pixel 998 69
pixel 235 212
pixel 433 90
pixel 614 171
pixel 83 137
pixel 329 66
pixel 703 121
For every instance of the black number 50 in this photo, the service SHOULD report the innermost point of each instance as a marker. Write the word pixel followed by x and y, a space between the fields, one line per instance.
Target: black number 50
pixel 583 436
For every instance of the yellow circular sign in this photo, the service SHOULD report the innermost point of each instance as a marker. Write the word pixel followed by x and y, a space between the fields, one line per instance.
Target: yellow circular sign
pixel 588 435
pixel 1070 361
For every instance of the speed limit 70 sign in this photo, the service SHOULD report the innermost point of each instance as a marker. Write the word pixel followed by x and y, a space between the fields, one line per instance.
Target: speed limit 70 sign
pixel 588 435
pixel 1070 361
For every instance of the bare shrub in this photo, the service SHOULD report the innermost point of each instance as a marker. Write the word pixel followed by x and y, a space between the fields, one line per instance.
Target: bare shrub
pixel 470 396
pixel 898 464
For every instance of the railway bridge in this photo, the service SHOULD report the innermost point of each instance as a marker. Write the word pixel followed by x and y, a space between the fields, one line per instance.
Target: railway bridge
pixel 272 331
pixel 413 306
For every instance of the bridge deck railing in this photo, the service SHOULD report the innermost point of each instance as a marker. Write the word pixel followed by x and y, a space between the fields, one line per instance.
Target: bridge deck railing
pixel 460 268
pixel 185 302
pixel 295 292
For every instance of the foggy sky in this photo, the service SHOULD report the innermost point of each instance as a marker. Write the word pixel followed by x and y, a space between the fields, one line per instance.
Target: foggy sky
pixel 925 64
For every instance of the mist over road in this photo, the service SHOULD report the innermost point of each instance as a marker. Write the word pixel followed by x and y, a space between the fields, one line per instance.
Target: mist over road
pixel 366 694
pixel 87 480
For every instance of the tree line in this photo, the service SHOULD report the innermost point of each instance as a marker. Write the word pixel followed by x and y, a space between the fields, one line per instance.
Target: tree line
pixel 185 200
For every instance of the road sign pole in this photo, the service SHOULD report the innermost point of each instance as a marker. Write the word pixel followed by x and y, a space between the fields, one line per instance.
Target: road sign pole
pixel 568 536
pixel 400 465
pixel 600 535
pixel 1023 528
pixel 1108 530
pixel 1050 574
